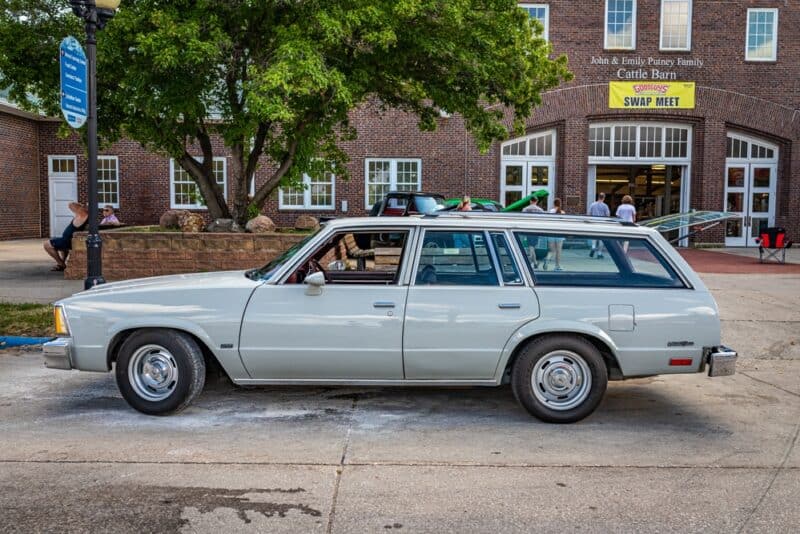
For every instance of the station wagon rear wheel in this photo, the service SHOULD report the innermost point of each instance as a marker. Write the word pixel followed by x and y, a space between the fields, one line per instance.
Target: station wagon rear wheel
pixel 560 379
pixel 160 371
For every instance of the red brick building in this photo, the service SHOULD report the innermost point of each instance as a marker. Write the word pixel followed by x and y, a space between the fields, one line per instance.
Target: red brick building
pixel 683 104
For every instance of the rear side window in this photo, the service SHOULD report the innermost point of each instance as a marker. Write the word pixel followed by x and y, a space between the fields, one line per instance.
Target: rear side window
pixel 455 258
pixel 508 267
pixel 568 260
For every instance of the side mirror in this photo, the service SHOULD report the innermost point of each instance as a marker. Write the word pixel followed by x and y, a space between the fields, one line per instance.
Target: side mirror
pixel 315 283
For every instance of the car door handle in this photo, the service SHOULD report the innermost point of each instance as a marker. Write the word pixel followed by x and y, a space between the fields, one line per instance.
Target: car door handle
pixel 383 304
pixel 509 305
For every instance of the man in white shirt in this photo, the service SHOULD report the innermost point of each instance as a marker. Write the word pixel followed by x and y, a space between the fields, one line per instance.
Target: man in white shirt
pixel 533 207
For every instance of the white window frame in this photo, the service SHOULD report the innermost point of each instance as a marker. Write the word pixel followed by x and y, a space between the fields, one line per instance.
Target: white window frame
pixel 688 46
pixel 545 22
pixel 53 174
pixel 392 175
pixel 307 205
pixel 99 181
pixel 197 206
pixel 633 30
pixel 601 160
pixel 774 55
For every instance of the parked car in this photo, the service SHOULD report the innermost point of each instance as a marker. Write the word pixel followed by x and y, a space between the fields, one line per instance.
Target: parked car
pixel 455 299
pixel 476 204
pixel 404 203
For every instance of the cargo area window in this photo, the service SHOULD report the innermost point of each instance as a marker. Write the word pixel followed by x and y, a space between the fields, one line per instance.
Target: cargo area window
pixel 570 260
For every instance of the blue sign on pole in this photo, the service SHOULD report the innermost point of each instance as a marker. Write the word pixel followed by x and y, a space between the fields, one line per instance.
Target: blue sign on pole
pixel 74 83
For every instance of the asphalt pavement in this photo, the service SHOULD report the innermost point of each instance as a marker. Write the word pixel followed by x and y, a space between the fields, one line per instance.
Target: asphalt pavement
pixel 668 454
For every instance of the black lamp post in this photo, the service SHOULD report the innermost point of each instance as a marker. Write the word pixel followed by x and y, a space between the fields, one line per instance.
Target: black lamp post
pixel 95 13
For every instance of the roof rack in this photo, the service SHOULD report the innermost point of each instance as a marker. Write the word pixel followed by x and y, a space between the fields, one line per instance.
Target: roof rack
pixel 588 219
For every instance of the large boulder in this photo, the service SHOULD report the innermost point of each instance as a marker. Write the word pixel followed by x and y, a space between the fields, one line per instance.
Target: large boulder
pixel 260 224
pixel 223 225
pixel 191 222
pixel 306 222
pixel 169 219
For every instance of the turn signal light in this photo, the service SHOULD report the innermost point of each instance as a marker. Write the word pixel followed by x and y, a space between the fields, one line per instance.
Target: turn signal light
pixel 62 328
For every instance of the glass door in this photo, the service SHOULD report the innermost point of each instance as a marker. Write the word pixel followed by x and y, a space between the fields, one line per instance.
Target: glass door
pixel 761 200
pixel 513 183
pixel 750 195
pixel 540 176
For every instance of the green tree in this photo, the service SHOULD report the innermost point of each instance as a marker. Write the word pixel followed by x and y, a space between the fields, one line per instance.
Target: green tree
pixel 275 80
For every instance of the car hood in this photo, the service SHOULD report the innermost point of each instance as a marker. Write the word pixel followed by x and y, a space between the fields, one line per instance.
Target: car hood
pixel 175 282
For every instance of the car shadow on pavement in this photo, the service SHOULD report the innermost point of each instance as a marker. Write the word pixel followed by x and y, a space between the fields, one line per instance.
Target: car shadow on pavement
pixel 627 406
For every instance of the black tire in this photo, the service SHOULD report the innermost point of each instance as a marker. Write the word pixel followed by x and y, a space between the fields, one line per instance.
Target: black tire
pixel 181 359
pixel 567 358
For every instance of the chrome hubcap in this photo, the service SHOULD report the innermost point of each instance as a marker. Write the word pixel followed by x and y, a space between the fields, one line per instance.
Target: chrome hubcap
pixel 153 373
pixel 561 380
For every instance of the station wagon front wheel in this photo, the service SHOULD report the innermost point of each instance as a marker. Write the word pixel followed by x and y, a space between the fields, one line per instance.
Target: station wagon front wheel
pixel 160 371
pixel 560 379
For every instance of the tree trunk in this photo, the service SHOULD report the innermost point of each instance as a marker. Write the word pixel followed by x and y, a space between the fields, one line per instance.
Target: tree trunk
pixel 241 181
pixel 203 175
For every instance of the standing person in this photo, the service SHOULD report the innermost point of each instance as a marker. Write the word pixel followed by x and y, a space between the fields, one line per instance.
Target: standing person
pixel 555 244
pixel 598 208
pixel 533 207
pixel 58 248
pixel 626 211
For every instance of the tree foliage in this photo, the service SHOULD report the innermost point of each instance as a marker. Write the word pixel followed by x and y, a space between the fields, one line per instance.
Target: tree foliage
pixel 275 80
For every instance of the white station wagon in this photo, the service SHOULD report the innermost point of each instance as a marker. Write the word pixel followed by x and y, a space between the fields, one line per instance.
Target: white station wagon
pixel 554 305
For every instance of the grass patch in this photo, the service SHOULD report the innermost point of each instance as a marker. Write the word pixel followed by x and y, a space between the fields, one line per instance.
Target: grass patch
pixel 26 320
pixel 291 231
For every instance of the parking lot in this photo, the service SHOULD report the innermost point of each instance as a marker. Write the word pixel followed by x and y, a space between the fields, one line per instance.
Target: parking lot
pixel 671 453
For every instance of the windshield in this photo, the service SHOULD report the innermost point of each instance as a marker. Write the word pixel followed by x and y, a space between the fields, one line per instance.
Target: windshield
pixel 429 204
pixel 265 273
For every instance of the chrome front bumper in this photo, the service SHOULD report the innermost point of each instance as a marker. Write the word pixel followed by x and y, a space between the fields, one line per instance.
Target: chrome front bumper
pixel 57 353
pixel 721 361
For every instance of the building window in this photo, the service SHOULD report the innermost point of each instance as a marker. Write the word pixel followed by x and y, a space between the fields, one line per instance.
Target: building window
pixel 762 35
pixel 540 12
pixel 620 24
pixel 62 165
pixel 676 24
pixel 649 141
pixel 184 193
pixel 107 181
pixel 600 141
pixel 313 194
pixel 384 175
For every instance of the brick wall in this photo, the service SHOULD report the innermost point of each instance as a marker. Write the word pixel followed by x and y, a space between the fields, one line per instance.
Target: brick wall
pixel 19 184
pixel 760 99
pixel 128 255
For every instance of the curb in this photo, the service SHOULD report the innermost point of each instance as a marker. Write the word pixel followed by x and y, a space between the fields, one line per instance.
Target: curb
pixel 7 342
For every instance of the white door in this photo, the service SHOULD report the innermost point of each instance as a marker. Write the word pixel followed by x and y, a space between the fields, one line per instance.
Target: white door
pixel 460 313
pixel 62 189
pixel 750 195
pixel 540 176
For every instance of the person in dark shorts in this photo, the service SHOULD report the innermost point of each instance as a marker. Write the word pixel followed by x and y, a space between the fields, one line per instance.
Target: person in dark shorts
pixel 58 247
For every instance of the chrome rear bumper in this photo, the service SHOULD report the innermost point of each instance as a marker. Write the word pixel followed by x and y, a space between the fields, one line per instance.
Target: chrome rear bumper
pixel 57 353
pixel 721 361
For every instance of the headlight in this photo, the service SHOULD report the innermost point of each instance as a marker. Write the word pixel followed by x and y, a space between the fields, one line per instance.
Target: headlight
pixel 62 327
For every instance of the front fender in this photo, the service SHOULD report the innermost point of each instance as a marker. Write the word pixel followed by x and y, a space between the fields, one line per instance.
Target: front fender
pixel 228 358
pixel 549 326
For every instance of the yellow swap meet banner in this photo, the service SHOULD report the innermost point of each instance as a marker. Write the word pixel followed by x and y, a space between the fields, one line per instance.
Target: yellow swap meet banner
pixel 651 95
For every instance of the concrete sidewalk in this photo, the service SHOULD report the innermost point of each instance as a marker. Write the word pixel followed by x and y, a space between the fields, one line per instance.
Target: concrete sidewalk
pixel 25 274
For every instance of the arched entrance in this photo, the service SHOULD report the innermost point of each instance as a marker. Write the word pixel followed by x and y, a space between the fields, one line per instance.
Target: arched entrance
pixel 751 176
pixel 528 164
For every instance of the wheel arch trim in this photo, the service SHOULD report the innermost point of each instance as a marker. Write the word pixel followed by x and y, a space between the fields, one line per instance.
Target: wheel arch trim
pixel 539 328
